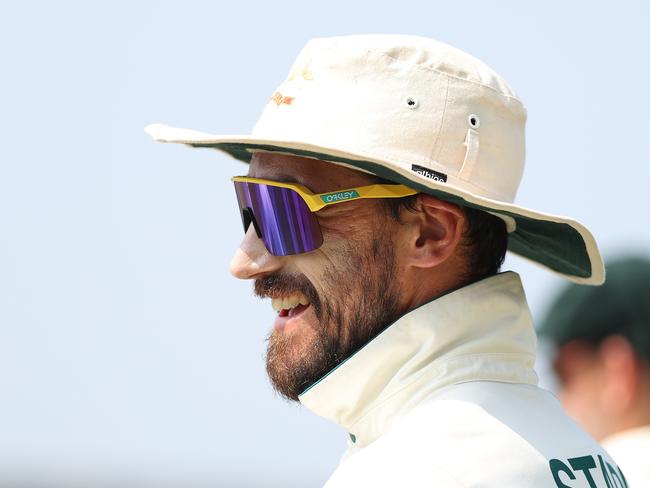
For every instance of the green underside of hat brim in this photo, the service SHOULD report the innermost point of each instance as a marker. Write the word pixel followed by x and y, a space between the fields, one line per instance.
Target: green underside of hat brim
pixel 555 245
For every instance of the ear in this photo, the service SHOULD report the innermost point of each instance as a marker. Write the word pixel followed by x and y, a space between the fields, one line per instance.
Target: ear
pixel 434 231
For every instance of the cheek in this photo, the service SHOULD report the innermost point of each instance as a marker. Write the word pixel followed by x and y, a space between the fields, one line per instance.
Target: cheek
pixel 312 265
pixel 352 220
pixel 352 247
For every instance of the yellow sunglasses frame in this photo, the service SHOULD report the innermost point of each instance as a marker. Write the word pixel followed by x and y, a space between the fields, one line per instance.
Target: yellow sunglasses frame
pixel 318 201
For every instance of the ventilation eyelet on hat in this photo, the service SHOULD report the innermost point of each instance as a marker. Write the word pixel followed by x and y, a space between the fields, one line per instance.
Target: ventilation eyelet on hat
pixel 411 102
pixel 474 121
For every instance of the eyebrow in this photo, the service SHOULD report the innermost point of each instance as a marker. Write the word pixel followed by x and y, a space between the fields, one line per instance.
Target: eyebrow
pixel 286 178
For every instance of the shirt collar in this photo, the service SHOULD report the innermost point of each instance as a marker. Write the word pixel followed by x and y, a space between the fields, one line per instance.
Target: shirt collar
pixel 480 332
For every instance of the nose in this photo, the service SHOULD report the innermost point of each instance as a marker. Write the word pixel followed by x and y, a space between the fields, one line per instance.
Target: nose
pixel 252 260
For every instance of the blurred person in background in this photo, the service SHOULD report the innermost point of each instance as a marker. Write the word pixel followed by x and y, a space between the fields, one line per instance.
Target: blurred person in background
pixel 602 339
pixel 377 210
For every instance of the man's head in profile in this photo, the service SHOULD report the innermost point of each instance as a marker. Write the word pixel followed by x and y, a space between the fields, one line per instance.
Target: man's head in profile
pixel 377 207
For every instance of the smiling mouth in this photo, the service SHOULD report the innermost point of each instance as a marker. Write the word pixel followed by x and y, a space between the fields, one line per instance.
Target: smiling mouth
pixel 290 305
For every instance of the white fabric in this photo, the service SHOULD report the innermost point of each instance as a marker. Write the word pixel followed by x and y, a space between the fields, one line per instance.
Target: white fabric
pixel 447 397
pixel 337 105
pixel 631 450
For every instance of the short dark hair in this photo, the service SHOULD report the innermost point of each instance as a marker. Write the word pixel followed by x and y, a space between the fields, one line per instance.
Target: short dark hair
pixel 485 238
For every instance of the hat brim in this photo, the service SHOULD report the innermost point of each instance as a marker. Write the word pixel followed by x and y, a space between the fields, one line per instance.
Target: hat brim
pixel 560 244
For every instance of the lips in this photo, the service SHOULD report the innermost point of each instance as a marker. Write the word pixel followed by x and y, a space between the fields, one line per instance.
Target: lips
pixel 293 298
pixel 289 308
pixel 292 312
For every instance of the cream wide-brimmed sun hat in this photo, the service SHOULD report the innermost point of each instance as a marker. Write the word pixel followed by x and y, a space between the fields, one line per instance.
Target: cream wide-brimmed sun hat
pixel 418 112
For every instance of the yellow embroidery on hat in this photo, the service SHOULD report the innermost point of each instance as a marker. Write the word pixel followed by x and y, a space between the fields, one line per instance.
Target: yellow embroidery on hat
pixel 305 73
pixel 280 99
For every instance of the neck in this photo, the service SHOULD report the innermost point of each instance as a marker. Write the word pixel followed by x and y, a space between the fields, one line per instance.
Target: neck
pixel 425 285
pixel 482 332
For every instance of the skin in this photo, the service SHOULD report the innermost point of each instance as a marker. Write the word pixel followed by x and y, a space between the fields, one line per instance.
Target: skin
pixel 605 388
pixel 370 270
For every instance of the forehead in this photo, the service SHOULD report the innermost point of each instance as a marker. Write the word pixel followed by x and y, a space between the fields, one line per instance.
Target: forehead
pixel 319 176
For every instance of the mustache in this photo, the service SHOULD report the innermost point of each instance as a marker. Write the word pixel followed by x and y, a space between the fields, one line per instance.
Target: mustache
pixel 282 284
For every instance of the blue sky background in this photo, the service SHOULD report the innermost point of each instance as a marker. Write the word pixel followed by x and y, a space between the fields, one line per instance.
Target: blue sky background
pixel 127 353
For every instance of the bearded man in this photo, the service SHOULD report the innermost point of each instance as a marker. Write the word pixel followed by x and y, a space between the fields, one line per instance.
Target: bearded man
pixel 377 210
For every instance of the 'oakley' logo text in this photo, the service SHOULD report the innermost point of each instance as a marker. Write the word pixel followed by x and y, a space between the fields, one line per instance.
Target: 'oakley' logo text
pixel 338 196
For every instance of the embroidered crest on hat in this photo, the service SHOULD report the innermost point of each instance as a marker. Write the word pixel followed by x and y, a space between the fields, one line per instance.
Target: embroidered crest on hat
pixel 281 99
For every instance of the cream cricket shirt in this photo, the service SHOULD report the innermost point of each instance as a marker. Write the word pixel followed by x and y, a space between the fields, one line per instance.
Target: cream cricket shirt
pixel 447 397
pixel 631 449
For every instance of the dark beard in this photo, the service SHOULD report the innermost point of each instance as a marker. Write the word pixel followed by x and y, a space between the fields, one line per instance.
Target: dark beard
pixel 360 298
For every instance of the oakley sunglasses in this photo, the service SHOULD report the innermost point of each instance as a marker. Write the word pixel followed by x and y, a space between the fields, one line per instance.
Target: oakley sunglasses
pixel 283 214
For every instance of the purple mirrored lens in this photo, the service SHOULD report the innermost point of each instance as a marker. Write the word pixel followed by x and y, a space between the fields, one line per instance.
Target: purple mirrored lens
pixel 281 216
